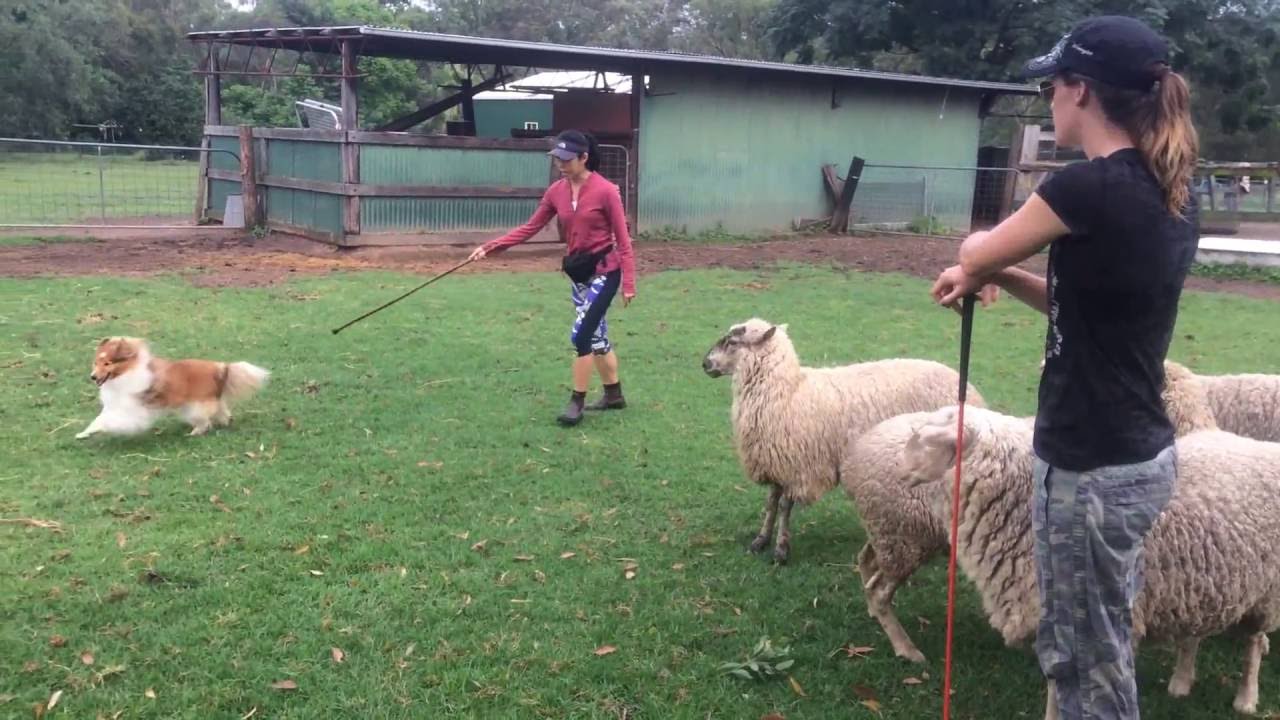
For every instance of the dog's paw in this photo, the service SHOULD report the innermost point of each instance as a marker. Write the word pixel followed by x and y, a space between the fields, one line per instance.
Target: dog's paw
pixel 83 434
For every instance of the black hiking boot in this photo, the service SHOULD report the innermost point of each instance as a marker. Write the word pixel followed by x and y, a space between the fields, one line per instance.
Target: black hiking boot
pixel 572 414
pixel 611 400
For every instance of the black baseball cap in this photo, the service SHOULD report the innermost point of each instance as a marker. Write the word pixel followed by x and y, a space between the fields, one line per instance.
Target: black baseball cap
pixel 568 147
pixel 1111 49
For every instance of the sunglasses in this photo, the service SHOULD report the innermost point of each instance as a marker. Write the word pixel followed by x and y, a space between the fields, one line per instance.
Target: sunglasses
pixel 1046 91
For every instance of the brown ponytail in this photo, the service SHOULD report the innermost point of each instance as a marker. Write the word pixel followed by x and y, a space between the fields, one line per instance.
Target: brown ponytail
pixel 1159 122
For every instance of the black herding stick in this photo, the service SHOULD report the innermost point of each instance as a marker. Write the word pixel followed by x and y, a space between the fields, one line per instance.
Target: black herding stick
pixel 459 266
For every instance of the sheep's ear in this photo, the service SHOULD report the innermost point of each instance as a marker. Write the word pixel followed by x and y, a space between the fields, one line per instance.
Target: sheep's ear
pixel 941 437
pixel 768 334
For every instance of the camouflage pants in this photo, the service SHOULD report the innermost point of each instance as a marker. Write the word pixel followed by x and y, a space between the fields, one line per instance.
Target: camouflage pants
pixel 1089 530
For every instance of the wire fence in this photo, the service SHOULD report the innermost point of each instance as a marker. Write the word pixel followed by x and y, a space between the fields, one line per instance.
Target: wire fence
pixel 931 200
pixel 46 182
pixel 615 163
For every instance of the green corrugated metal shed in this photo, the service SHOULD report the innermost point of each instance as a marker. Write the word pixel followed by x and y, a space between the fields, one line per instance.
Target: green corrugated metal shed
pixel 722 142
pixel 756 164
pixel 497 117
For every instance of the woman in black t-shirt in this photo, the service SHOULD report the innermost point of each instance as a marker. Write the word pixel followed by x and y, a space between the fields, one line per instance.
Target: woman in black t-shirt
pixel 1122 230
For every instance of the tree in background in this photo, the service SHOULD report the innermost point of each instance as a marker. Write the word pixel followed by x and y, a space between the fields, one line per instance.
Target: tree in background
pixel 1227 49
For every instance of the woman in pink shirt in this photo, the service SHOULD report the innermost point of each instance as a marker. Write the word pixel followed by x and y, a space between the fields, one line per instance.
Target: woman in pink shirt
pixel 598 260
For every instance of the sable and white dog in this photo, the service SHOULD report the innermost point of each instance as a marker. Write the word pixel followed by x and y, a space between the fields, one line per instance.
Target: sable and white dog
pixel 138 388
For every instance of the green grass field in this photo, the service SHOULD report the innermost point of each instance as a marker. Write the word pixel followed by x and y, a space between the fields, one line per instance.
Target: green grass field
pixel 67 188
pixel 400 493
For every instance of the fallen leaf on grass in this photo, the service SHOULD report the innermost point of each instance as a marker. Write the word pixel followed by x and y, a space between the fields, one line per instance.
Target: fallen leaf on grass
pixel 462 535
pixel 86 657
pixel 772 716
pixel 53 699
pixel 428 464
pixel 539 576
pixel 605 650
pixel 57 641
pixel 317 573
pixel 337 655
pixel 33 523
pixel 121 540
pixel 796 687
pixel 567 555
pixel 872 705
pixel 678 567
pixel 109 671
pixel 284 685
pixel 290 423
pixel 629 570
pixel 865 693
pixel 253 711
pixel 149 694
pixel 6 699
pixel 912 681
pixel 850 651
pixel 524 558
pixel 217 502
pixel 479 547
pixel 302 550
pixel 30 666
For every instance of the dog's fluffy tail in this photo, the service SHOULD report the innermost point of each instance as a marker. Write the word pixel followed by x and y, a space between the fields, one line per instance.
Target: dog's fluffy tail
pixel 243 380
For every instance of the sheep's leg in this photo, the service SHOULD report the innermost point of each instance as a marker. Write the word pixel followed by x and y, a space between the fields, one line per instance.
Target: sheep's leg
pixel 1184 672
pixel 879 588
pixel 1247 695
pixel 782 550
pixel 770 517
pixel 1051 702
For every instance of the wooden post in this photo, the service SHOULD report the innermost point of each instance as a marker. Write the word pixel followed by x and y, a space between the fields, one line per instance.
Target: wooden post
pixel 1011 175
pixel 840 216
pixel 212 90
pixel 248 179
pixel 202 180
pixel 350 148
pixel 633 154
pixel 468 104
pixel 212 116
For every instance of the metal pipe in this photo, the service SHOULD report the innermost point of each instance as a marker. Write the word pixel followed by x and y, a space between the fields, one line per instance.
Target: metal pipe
pixel 69 143
pixel 102 190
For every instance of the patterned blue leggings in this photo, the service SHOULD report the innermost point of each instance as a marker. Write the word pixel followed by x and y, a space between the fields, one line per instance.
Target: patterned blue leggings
pixel 591 301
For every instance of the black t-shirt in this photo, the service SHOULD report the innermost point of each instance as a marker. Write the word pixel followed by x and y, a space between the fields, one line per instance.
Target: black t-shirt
pixel 1114 285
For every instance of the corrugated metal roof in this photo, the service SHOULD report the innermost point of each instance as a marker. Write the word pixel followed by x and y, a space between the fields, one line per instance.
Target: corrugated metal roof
pixel 538 85
pixel 411 44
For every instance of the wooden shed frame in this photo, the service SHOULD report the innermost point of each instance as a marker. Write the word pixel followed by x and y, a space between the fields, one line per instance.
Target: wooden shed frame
pixel 339 186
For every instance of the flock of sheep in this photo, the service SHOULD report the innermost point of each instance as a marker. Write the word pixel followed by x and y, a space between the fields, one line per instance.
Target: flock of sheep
pixel 886 432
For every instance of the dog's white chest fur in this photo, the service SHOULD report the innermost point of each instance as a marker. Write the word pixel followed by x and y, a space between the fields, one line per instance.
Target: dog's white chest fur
pixel 123 410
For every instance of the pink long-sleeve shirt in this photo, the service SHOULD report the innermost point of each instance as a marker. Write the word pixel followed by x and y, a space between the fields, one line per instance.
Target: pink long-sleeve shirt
pixel 598 221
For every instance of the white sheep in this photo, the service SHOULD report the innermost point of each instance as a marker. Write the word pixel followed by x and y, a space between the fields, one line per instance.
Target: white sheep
pixel 791 422
pixel 902 533
pixel 1209 557
pixel 1246 404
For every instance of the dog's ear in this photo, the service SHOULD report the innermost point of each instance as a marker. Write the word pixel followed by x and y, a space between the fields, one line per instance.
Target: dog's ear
pixel 103 342
pixel 123 351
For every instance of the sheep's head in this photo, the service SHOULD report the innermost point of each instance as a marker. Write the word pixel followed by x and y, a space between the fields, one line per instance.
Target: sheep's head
pixel 722 358
pixel 931 451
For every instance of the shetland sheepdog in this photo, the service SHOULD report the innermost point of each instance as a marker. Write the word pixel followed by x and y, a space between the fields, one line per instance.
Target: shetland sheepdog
pixel 136 388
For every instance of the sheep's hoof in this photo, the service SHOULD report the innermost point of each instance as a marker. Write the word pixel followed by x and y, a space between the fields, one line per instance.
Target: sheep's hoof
pixel 1179 686
pixel 1245 707
pixel 911 654
pixel 781 554
pixel 759 544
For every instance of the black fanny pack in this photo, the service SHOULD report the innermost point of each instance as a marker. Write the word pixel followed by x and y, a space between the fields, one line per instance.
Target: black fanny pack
pixel 581 266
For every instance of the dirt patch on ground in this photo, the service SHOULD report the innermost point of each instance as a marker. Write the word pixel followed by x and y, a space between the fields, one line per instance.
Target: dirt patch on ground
pixel 224 258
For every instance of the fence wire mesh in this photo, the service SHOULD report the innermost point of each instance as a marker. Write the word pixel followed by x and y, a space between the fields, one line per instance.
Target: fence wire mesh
pixel 931 200
pixel 63 183
pixel 614 162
